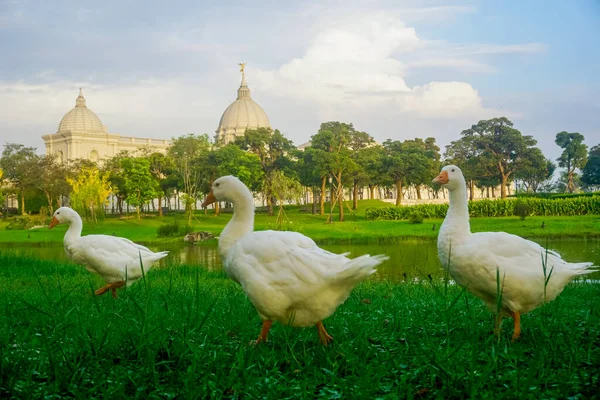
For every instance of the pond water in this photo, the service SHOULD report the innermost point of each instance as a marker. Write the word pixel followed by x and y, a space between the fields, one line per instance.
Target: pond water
pixel 409 260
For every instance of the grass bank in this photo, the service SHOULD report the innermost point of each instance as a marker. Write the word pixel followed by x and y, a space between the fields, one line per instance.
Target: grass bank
pixel 184 333
pixel 355 229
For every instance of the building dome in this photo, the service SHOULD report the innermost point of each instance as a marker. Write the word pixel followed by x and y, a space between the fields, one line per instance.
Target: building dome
pixel 81 119
pixel 244 113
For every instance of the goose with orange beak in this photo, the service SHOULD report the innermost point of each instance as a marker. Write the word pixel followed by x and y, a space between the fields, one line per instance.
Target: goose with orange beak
pixel 529 274
pixel 286 276
pixel 117 260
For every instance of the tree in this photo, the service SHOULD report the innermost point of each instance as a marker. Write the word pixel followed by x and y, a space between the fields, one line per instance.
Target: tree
pixel 464 154
pixel 432 152
pixel 591 172
pixel 2 197
pixel 140 184
pixel 284 189
pixel 332 145
pixel 374 167
pixel 188 152
pixel 562 184
pixel 90 192
pixel 313 177
pixel 423 162
pixel 114 172
pixel 231 160
pixel 574 155
pixel 501 144
pixel 272 149
pixel 535 169
pixel 162 168
pixel 21 168
pixel 395 166
pixel 53 180
pixel 362 155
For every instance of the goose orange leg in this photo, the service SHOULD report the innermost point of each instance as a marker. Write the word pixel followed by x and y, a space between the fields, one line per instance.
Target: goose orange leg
pixel 102 290
pixel 264 332
pixel 324 337
pixel 517 331
pixel 110 286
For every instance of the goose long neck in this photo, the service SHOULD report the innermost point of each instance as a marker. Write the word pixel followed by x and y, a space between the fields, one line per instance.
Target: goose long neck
pixel 241 223
pixel 74 231
pixel 456 224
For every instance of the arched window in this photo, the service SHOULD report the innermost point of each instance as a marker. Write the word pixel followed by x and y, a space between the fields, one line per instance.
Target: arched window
pixel 94 156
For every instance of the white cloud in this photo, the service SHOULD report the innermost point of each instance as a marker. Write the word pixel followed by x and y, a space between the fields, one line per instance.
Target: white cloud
pixel 460 64
pixel 441 99
pixel 466 57
pixel 352 64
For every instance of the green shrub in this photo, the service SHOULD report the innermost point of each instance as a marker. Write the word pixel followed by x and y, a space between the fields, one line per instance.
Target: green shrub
pixel 24 222
pixel 548 195
pixel 168 230
pixel 521 209
pixel 415 217
pixel 568 206
pixel 572 195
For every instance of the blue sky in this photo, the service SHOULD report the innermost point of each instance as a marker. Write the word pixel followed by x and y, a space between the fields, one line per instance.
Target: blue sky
pixel 396 69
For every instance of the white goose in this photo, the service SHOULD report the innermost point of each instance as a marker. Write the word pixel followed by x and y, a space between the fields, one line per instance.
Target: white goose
pixel 115 259
pixel 286 276
pixel 475 257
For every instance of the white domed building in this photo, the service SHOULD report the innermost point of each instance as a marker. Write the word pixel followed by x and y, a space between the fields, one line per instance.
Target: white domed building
pixel 81 134
pixel 241 115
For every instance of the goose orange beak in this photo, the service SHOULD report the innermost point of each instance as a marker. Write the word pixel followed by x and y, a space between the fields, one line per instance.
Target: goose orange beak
pixel 442 178
pixel 53 223
pixel 209 200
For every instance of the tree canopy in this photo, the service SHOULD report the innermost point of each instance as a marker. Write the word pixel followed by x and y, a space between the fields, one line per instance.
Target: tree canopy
pixel 490 153
pixel 591 172
pixel 573 157
pixel 505 147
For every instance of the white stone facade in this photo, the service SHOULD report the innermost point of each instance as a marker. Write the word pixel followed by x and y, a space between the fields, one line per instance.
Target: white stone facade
pixel 81 134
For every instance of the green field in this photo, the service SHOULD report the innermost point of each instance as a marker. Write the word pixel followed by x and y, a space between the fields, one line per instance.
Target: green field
pixel 184 333
pixel 355 229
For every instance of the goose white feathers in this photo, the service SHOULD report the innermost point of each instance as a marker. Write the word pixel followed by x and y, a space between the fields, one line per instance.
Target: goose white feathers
pixel 475 260
pixel 286 276
pixel 115 259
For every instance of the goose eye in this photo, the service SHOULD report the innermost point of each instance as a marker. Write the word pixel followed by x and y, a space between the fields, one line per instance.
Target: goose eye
pixel 57 213
pixel 452 169
pixel 217 184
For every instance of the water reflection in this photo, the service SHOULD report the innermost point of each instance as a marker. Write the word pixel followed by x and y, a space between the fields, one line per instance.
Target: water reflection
pixel 409 260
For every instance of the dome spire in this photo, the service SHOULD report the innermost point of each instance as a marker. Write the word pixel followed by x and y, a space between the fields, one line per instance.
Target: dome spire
pixel 80 102
pixel 243 91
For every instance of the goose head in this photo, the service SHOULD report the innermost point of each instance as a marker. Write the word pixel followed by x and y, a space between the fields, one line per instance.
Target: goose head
pixel 451 177
pixel 227 188
pixel 62 215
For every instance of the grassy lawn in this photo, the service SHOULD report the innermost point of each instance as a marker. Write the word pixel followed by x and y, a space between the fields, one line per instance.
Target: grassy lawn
pixel 184 333
pixel 354 230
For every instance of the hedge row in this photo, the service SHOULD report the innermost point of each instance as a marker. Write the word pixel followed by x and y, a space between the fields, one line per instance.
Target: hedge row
pixel 546 195
pixel 494 208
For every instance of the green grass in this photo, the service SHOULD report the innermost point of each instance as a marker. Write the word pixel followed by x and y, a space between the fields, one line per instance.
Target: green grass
pixel 184 332
pixel 355 229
